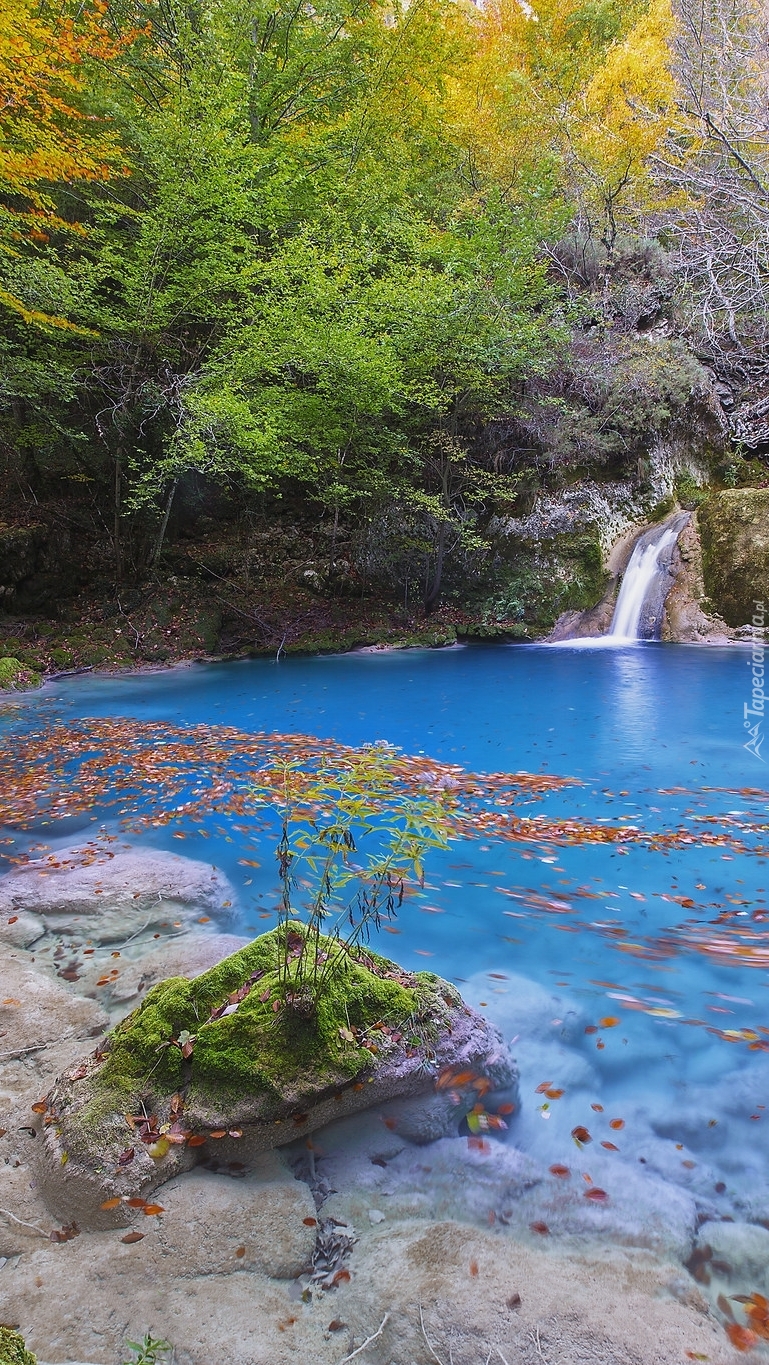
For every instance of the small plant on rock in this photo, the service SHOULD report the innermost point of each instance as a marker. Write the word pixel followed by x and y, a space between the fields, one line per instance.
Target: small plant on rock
pixel 149 1351
pixel 332 896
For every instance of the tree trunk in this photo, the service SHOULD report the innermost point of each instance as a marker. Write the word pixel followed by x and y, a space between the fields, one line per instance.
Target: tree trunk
pixel 433 592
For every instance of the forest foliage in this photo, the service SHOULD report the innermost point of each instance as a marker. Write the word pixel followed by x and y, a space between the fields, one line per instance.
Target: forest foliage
pixel 348 252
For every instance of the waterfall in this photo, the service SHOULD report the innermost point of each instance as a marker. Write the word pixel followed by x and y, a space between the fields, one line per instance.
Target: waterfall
pixel 638 613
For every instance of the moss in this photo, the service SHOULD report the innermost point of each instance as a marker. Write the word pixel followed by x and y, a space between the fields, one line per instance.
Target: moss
pixel 734 528
pixel 13 1350
pixel 16 676
pixel 256 1048
pixel 536 581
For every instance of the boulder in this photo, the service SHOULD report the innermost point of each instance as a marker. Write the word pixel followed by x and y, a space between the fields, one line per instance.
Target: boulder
pixel 243 1059
pixel 116 888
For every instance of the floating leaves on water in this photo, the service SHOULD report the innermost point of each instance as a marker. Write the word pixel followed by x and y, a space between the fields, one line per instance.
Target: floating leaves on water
pixel 580 1135
pixel 597 1107
pixel 561 1172
pixel 610 1147
pixel 741 1337
pixel 541 1228
pixel 610 1021
pixel 616 1124
pixel 595 1194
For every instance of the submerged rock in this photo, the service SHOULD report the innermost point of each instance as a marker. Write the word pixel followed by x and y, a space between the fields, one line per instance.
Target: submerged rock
pixel 213 1224
pixel 242 1059
pixel 118 888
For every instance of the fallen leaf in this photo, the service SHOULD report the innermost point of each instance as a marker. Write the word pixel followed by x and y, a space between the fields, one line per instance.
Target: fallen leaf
pixel 336 1325
pixel 562 1172
pixel 741 1337
pixel 153 1209
pixel 310 1222
pixel 136 1203
pixel 132 1237
pixel 541 1228
pixel 597 1196
pixel 240 1252
pixel 581 1135
pixel 111 1203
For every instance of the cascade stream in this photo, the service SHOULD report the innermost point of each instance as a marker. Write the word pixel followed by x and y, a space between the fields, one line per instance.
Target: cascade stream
pixel 638 613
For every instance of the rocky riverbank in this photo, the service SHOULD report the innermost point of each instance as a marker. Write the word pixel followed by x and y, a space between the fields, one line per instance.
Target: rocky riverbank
pixel 462 1247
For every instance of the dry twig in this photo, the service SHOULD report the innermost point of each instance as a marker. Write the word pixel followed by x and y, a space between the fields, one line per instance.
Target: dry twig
pixel 427 1340
pixel 367 1342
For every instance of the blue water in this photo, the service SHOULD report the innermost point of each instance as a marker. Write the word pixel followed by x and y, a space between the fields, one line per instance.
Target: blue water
pixel 630 723
pixel 626 722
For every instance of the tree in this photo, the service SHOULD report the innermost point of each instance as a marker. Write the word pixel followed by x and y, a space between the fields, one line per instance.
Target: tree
pixel 48 136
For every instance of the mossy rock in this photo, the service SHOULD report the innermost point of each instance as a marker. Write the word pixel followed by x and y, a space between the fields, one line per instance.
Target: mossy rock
pixel 734 529
pixel 13 1350
pixel 16 676
pixel 247 1057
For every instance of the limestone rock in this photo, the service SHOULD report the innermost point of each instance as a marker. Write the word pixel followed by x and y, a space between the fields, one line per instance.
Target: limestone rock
pixel 117 887
pixel 734 526
pixel 20 930
pixel 36 1010
pixel 214 1224
pixel 743 1247
pixel 688 618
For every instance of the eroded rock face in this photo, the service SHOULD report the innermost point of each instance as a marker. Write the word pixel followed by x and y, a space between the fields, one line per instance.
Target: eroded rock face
pixel 253 1077
pixel 687 619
